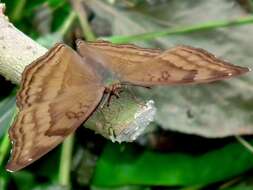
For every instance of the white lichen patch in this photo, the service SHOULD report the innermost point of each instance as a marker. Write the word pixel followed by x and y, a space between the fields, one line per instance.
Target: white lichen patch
pixel 142 118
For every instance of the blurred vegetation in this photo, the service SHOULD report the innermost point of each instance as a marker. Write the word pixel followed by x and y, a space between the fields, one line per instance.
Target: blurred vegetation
pixel 160 159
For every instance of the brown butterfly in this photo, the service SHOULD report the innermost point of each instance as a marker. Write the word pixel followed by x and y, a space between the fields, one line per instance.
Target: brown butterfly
pixel 61 89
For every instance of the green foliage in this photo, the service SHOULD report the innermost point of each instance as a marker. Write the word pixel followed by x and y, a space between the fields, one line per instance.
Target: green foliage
pixel 129 165
pixel 7 107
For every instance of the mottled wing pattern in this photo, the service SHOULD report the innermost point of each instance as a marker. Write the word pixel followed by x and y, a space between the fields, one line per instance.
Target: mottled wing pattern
pixel 58 92
pixel 147 67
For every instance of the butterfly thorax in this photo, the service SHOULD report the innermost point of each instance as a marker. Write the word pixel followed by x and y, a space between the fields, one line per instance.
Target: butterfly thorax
pixel 113 90
pixel 109 92
pixel 106 75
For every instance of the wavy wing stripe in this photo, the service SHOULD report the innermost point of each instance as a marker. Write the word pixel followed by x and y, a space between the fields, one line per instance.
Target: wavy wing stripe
pixel 69 92
pixel 121 47
pixel 28 74
pixel 214 60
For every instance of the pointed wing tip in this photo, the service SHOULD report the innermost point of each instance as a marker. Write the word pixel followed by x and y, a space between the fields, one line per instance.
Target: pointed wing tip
pixel 234 72
pixel 240 71
pixel 12 167
pixel 246 69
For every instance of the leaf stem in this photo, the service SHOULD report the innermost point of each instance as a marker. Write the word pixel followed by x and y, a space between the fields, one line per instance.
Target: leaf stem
pixel 5 144
pixel 68 22
pixel 65 162
pixel 4 148
pixel 181 30
pixel 79 8
pixel 245 143
pixel 18 10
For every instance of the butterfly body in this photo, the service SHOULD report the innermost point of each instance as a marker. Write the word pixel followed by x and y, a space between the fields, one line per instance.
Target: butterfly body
pixel 96 62
pixel 60 90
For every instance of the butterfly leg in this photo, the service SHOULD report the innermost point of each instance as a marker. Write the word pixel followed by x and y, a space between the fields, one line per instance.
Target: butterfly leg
pixel 112 90
pixel 116 90
pixel 105 100
pixel 108 96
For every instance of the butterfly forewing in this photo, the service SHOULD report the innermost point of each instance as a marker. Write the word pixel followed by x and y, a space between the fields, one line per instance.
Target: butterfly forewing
pixel 147 67
pixel 58 92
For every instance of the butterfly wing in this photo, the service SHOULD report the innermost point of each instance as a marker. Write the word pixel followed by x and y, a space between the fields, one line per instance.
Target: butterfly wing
pixel 147 67
pixel 58 92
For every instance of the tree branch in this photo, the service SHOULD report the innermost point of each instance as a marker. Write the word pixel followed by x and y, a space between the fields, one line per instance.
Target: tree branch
pixel 16 50
pixel 123 120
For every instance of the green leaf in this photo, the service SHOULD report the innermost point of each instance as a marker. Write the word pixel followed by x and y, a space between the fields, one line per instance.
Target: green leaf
pixel 7 111
pixel 24 180
pixel 122 188
pixel 122 165
pixel 4 178
pixel 49 187
pixel 180 31
pixel 240 187
pixel 7 107
pixel 48 166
